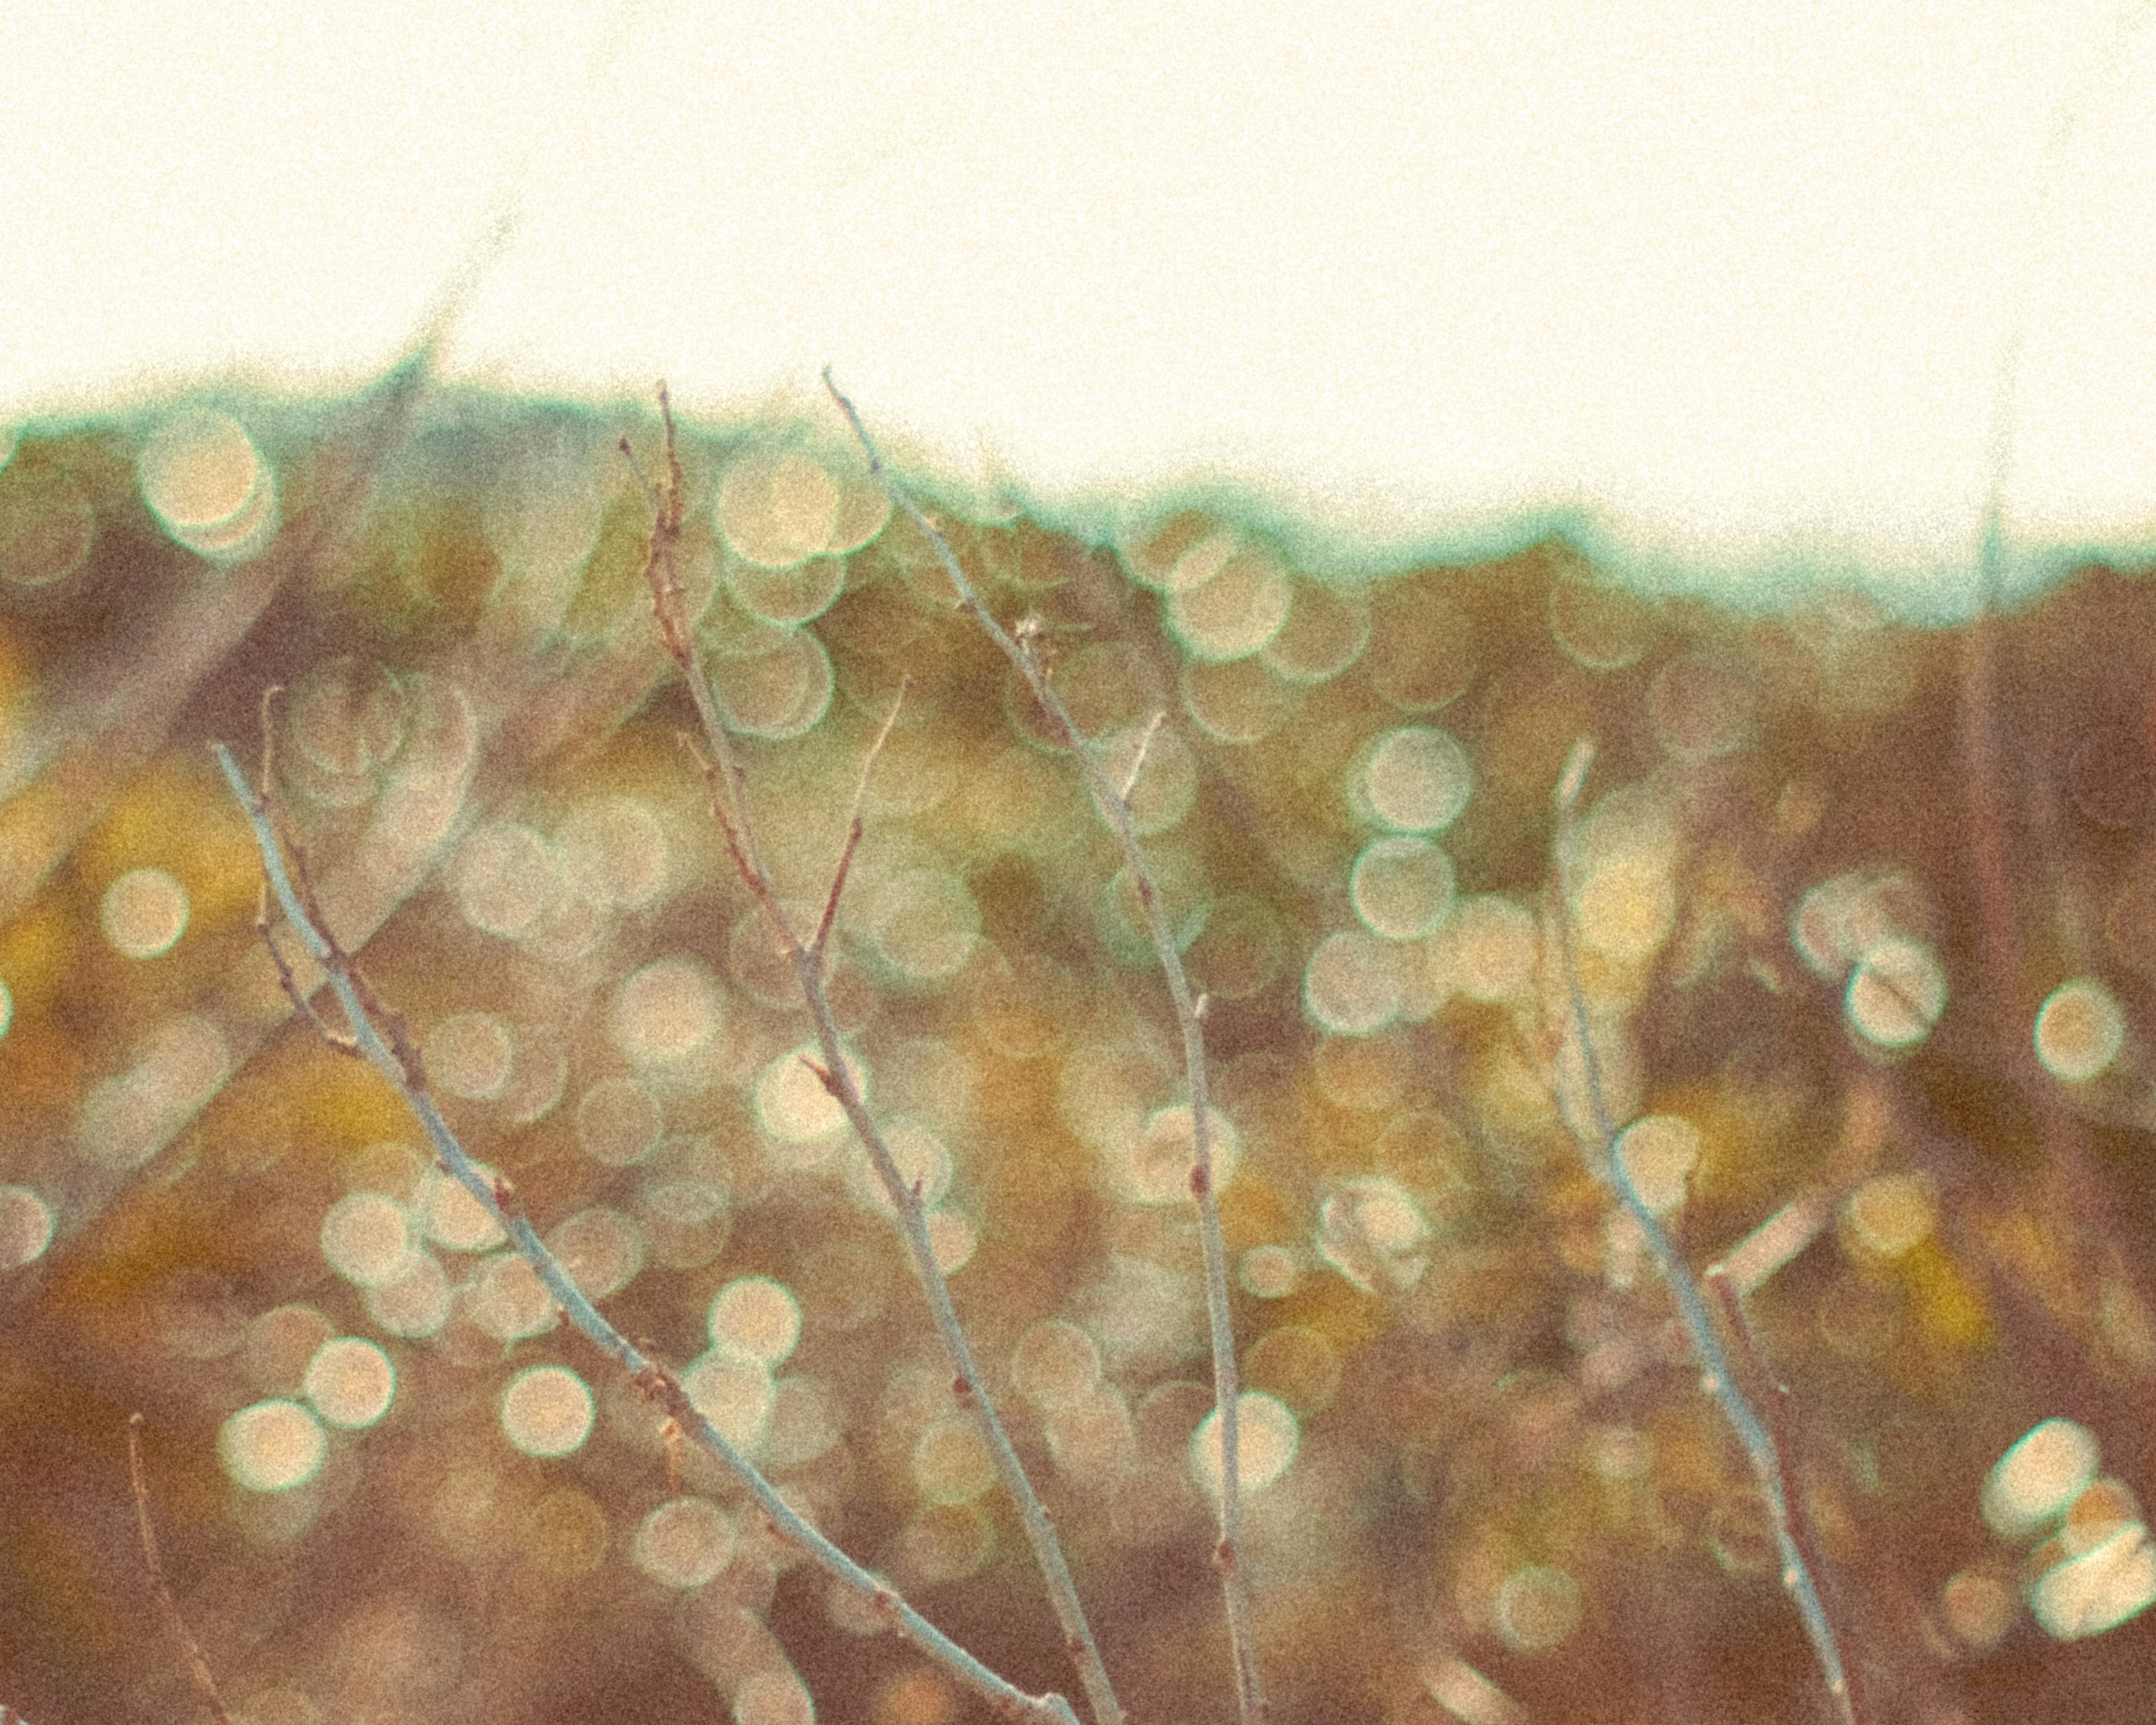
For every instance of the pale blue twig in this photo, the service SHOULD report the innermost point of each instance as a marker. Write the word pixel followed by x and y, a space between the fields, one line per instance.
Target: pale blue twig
pixel 1116 810
pixel 1769 1467
pixel 390 1054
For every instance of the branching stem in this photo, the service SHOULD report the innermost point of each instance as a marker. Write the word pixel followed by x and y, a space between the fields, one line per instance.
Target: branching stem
pixel 386 1047
pixel 730 804
pixel 1116 810
pixel 1770 1469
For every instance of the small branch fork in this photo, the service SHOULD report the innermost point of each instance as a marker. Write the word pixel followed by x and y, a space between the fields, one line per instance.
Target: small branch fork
pixel 722 772
pixel 1112 801
pixel 1777 1401
pixel 377 1036
pixel 1765 1445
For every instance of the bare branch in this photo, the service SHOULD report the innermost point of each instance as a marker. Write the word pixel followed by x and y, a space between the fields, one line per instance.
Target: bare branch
pixel 176 1627
pixel 670 605
pixel 387 1047
pixel 1775 1397
pixel 738 850
pixel 836 1074
pixel 1769 1470
pixel 1116 811
pixel 302 1003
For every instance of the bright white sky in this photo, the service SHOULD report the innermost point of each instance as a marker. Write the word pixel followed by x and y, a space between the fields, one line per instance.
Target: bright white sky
pixel 1733 277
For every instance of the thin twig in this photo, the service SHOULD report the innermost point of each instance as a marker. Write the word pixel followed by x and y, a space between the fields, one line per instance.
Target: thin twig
pixel 1776 1398
pixel 176 1626
pixel 1116 811
pixel 1770 1471
pixel 670 605
pixel 817 947
pixel 836 1073
pixel 1138 760
pixel 388 1049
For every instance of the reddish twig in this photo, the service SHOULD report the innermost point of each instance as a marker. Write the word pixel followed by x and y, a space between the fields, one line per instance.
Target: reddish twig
pixel 1777 1405
pixel 1598 1140
pixel 175 1628
pixel 854 825
pixel 386 1045
pixel 728 784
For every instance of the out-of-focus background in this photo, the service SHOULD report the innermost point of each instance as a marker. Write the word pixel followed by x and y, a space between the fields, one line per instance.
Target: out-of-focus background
pixel 1874 1011
pixel 1733 286
pixel 1339 403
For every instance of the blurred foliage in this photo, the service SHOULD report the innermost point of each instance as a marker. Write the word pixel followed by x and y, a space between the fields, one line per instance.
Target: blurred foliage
pixel 1505 1466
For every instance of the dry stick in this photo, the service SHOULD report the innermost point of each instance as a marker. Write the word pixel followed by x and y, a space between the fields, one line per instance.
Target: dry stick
pixel 1116 810
pixel 729 804
pixel 176 1627
pixel 1770 1471
pixel 1777 1399
pixel 387 1047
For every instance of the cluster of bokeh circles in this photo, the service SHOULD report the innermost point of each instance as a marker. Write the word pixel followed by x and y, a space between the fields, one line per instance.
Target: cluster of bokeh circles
pixel 1481 1478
